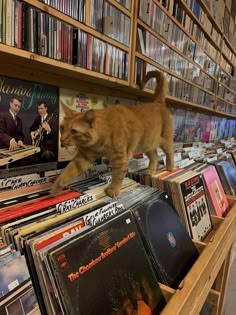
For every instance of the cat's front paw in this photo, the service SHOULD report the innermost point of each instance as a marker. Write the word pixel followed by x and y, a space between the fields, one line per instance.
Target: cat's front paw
pixel 56 188
pixel 170 167
pixel 112 191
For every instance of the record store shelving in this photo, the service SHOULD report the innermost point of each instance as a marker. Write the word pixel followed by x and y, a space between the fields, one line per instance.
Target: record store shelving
pixel 112 52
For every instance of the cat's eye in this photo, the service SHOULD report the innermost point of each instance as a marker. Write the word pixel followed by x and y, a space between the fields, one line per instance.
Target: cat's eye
pixel 61 128
pixel 73 132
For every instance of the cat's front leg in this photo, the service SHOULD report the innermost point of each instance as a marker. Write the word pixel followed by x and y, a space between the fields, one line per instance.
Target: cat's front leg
pixel 119 170
pixel 73 169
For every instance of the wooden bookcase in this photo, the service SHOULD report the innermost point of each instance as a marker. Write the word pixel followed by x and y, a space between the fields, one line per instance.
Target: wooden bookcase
pixel 31 66
pixel 208 277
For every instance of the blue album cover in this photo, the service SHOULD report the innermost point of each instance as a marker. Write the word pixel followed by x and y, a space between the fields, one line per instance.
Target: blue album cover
pixel 13 274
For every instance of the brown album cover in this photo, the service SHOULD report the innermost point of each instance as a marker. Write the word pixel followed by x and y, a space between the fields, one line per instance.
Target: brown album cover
pixel 107 271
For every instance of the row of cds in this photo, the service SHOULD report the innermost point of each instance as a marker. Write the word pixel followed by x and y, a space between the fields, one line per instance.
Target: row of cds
pixel 40 33
pixel 186 91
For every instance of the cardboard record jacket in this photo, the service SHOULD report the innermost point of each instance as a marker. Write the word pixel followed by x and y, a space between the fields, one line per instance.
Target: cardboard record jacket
pixel 169 243
pixel 105 267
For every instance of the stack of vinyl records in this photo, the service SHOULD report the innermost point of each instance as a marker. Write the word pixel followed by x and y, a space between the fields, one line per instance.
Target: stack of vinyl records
pixel 90 254
pixel 17 294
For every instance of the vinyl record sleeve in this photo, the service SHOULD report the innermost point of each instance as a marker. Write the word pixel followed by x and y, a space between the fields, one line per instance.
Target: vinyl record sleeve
pixel 21 201
pixel 14 193
pixel 99 271
pixel 55 219
pixel 194 198
pixel 227 173
pixel 12 274
pixel 19 300
pixel 37 243
pixel 29 209
pixel 215 191
pixel 166 237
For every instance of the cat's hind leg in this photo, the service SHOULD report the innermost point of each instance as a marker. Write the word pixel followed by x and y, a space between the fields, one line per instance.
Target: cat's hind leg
pixel 152 155
pixel 168 148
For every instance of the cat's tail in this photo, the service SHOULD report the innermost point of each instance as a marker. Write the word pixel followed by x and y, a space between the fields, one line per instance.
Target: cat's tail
pixel 161 85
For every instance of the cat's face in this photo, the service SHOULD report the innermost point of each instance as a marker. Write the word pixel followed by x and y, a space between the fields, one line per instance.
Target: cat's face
pixel 78 128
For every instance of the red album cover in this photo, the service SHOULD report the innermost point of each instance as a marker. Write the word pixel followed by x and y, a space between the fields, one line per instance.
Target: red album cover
pixel 24 203
pixel 52 201
pixel 216 191
pixel 62 233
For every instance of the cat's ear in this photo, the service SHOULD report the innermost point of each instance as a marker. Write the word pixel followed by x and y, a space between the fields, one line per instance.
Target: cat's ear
pixel 89 117
pixel 68 112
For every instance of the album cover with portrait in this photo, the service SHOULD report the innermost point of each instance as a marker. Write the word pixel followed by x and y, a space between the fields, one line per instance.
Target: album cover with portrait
pixel 28 123
pixel 193 197
pixel 107 271
pixel 79 102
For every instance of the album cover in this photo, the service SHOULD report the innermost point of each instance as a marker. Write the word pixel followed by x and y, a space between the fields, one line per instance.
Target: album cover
pixel 19 192
pixel 29 114
pixel 196 207
pixel 107 271
pixel 79 102
pixel 233 153
pixel 167 238
pixel 221 128
pixel 4 259
pixel 205 124
pixel 20 201
pixel 59 232
pixel 179 121
pixel 20 301
pixel 189 198
pixel 192 127
pixel 227 174
pixel 39 206
pixel 216 194
pixel 12 274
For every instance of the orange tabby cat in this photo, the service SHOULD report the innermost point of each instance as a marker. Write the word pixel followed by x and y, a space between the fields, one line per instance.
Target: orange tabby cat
pixel 117 132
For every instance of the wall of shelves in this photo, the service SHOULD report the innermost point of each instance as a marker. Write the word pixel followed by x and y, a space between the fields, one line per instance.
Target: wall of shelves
pixel 195 50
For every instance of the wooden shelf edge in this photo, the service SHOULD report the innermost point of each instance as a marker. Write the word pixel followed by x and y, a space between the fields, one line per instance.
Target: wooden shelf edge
pixel 199 280
pixel 16 56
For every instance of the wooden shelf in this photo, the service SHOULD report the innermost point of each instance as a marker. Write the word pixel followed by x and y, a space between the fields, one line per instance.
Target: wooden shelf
pixel 67 19
pixel 29 66
pixel 172 47
pixel 187 31
pixel 211 264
